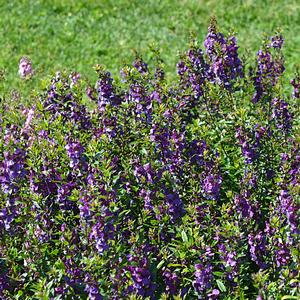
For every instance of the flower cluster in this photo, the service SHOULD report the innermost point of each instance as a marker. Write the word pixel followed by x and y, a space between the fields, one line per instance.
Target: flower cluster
pixel 147 189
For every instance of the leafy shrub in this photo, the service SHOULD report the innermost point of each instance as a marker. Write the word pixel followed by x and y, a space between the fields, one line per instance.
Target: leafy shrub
pixel 161 190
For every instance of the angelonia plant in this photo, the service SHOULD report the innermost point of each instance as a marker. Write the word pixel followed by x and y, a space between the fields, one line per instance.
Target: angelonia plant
pixel 143 188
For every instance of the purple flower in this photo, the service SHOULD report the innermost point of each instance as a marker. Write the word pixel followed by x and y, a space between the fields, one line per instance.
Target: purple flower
pixel 25 67
pixel 196 152
pixel 147 195
pixel 277 41
pixel 203 277
pixel 159 74
pixel 7 216
pixel 192 70
pixel 290 210
pixel 60 100
pixel 155 96
pixel 29 118
pixel 171 282
pixel 84 208
pixel 250 141
pixel 143 105
pixel 102 233
pixel 90 92
pixel 75 76
pixel 75 151
pixel 229 262
pixel 225 65
pixel 244 206
pixel 146 174
pixel 175 206
pixel 214 294
pixel 142 280
pixel 93 291
pixel 268 72
pixel 257 243
pixel 74 272
pixel 281 115
pixel 63 194
pixel 296 87
pixel 212 185
pixel 12 169
pixel 282 255
pixel 106 91
pixel 141 66
pixel 46 181
pixel 4 282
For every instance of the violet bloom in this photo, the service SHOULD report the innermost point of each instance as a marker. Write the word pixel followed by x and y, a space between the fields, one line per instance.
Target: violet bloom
pixel 143 104
pixel 281 115
pixel 214 294
pixel 212 185
pixel 75 151
pixel 60 101
pixel 225 65
pixel 155 97
pixel 196 152
pixel 74 273
pixel 105 89
pixel 142 281
pixel 250 142
pixel 181 68
pixel 4 282
pixel 176 208
pixel 193 72
pixel 229 262
pixel 84 208
pixel 161 137
pixel 25 67
pixel 7 216
pixel 146 173
pixel 257 249
pixel 12 169
pixel 90 92
pixel 243 205
pixel 102 232
pixel 75 76
pixel 282 255
pixel 141 66
pixel 93 291
pixel 268 72
pixel 171 282
pixel 296 86
pixel 290 210
pixel 63 194
pixel 295 166
pixel 277 41
pixel 159 74
pixel 29 118
pixel 203 277
pixel 146 195
pixel 45 182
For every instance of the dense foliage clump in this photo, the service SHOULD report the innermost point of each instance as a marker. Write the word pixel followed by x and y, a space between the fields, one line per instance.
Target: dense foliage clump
pixel 155 190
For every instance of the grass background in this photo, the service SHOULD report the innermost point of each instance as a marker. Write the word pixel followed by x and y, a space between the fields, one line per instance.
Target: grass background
pixel 76 35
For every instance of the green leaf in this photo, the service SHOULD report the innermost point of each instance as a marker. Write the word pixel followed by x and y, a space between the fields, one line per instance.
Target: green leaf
pixel 174 265
pixel 218 274
pixel 184 236
pixel 160 264
pixel 221 285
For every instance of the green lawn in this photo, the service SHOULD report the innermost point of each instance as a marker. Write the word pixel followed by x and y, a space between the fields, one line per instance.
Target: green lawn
pixel 75 35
